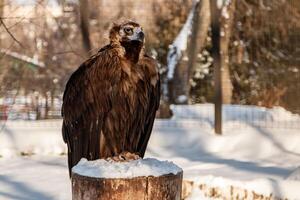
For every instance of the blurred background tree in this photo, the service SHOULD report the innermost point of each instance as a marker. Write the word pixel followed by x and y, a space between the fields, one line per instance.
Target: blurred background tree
pixel 263 56
pixel 260 50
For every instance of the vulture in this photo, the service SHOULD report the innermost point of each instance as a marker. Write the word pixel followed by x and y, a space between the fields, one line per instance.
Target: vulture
pixel 110 101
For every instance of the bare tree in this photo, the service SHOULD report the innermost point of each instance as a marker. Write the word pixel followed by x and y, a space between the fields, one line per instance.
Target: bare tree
pixel 84 25
pixel 227 19
pixel 180 86
pixel 198 37
pixel 1 7
pixel 215 29
pixel 178 58
pixel 2 4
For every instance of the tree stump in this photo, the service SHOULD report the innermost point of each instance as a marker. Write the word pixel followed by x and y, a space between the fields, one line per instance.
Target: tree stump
pixel 164 187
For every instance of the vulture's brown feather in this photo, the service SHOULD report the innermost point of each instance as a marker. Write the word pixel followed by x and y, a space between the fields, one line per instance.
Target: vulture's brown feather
pixel 110 101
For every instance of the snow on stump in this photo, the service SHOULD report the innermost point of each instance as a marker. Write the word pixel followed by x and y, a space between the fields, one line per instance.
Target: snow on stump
pixel 135 180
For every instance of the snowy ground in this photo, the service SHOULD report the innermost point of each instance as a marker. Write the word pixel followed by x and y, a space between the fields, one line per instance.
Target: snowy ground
pixel 246 156
pixel 34 178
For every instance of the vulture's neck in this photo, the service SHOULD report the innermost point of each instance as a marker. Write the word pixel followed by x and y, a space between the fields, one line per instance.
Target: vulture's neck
pixel 132 50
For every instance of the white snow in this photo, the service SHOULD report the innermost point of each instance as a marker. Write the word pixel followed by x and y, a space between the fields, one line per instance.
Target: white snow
pixel 238 115
pixel 197 194
pixel 222 3
pixel 247 155
pixel 24 58
pixel 182 99
pixel 295 175
pixel 280 114
pixel 264 186
pixel 225 13
pixel 31 137
pixel 136 168
pixel 34 178
pixel 180 44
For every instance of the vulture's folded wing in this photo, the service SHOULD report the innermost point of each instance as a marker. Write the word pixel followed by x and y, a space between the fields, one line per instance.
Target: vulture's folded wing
pixel 85 104
pixel 154 99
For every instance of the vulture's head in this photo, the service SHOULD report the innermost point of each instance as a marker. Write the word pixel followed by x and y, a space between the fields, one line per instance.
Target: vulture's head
pixel 127 31
pixel 130 35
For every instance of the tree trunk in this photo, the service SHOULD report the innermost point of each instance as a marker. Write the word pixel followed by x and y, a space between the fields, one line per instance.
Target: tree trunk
pixel 186 66
pixel 227 18
pixel 1 7
pixel 166 187
pixel 5 69
pixel 178 86
pixel 84 25
pixel 198 39
pixel 215 32
pixel 46 106
pixel 37 108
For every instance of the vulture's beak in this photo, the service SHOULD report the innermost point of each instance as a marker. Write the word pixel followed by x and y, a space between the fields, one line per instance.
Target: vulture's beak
pixel 141 36
pixel 138 36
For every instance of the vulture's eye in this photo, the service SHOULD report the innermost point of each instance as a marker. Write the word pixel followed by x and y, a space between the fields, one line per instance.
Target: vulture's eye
pixel 128 30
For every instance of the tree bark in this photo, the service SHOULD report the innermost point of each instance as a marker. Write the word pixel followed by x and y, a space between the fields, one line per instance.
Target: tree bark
pixel 187 64
pixel 4 70
pixel 198 37
pixel 166 187
pixel 178 86
pixel 227 19
pixel 215 30
pixel 84 25
pixel 1 7
pixel 46 106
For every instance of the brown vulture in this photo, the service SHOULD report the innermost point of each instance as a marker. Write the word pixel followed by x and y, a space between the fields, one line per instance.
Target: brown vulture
pixel 110 101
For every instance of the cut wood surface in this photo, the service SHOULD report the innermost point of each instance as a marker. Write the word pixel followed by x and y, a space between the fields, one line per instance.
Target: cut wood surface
pixel 165 187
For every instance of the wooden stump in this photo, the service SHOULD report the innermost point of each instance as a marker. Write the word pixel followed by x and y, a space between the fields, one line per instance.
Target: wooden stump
pixel 165 187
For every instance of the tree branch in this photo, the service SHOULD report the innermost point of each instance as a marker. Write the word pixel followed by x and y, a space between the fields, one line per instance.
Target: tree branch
pixel 11 35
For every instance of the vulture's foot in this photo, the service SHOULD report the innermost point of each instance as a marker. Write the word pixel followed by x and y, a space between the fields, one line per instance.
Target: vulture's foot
pixel 124 157
pixel 127 156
